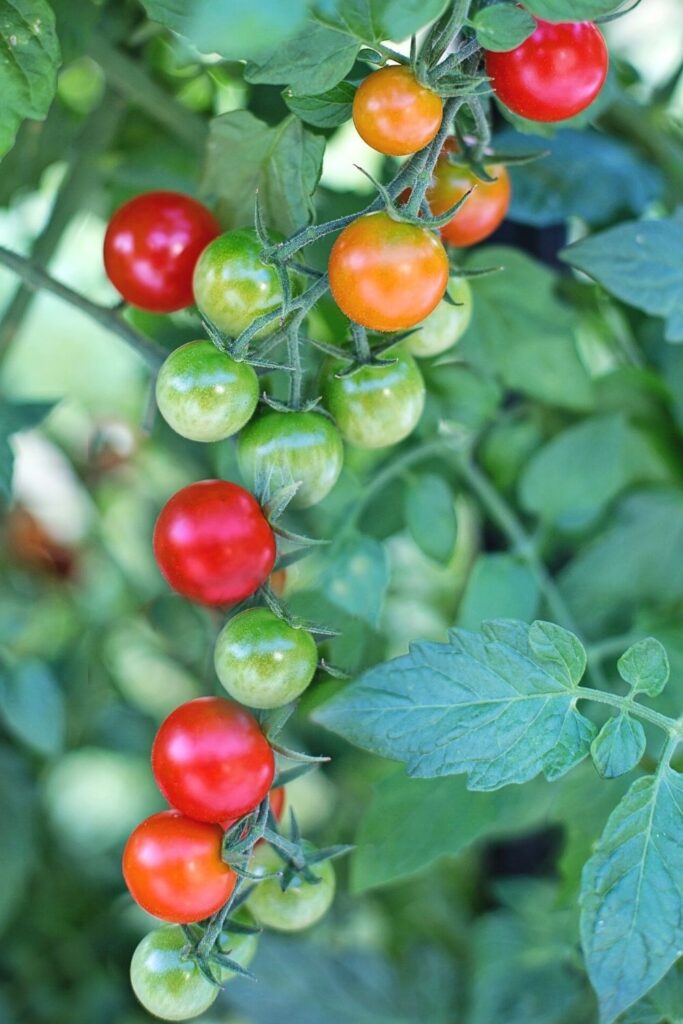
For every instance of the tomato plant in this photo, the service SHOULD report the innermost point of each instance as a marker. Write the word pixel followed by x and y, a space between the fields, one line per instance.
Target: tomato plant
pixel 394 114
pixel 211 760
pixel 485 207
pixel 262 661
pixel 554 74
pixel 213 544
pixel 167 983
pixel 376 406
pixel 152 245
pixel 286 448
pixel 173 868
pixel 300 905
pixel 385 274
pixel 446 325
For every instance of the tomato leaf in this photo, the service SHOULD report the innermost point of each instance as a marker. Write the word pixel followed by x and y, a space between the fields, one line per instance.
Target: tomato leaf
pixel 523 334
pixel 502 27
pixel 618 747
pixel 631 898
pixel 571 10
pixel 236 29
pixel 572 478
pixel 564 183
pixel 663 1003
pixel 356 577
pixel 491 704
pixel 15 417
pixel 645 666
pixel 283 163
pixel 28 71
pixel 314 61
pixel 374 21
pixel 32 707
pixel 499 585
pixel 640 263
pixel 326 110
pixel 430 516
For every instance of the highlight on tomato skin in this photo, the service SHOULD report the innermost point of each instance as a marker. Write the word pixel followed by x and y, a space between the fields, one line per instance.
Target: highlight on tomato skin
pixel 213 544
pixel 152 245
pixel 486 206
pixel 394 113
pixel 173 868
pixel 554 74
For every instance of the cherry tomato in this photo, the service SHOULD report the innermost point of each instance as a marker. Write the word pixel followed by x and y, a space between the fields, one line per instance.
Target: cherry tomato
pixel 292 447
pixel 394 114
pixel 301 905
pixel 168 983
pixel 262 661
pixel 173 868
pixel 205 395
pixel 482 212
pixel 376 405
pixel 211 761
pixel 445 325
pixel 213 544
pixel 385 274
pixel 151 247
pixel 554 74
pixel 232 286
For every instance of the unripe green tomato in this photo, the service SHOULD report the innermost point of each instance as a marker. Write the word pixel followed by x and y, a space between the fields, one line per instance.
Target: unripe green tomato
pixel 291 447
pixel 204 394
pixel 262 661
pixel 301 905
pixel 167 985
pixel 376 406
pixel 232 286
pixel 445 325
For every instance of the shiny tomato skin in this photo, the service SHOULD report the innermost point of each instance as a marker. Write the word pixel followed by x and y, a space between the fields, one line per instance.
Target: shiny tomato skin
pixel 167 983
pixel 213 544
pixel 385 274
pixel 446 325
pixel 173 869
pixel 554 74
pixel 211 761
pixel 151 247
pixel 394 114
pixel 484 209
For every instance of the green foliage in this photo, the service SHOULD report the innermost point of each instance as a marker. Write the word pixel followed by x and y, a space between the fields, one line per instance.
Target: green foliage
pixel 618 747
pixel 631 935
pixel 430 516
pixel 571 10
pixel 373 21
pixel 502 27
pixel 640 263
pixel 500 585
pixel 32 707
pixel 308 69
pixel 28 68
pixel 326 110
pixel 282 164
pixel 645 667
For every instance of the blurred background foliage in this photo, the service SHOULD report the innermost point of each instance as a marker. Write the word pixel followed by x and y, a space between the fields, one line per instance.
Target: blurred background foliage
pixel 454 905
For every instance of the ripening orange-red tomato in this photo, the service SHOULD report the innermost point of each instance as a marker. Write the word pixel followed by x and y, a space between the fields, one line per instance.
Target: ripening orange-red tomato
pixel 482 212
pixel 394 114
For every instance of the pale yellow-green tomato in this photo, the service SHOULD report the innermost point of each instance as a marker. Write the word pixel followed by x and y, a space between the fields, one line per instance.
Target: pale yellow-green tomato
pixel 300 906
pixel 204 394
pixel 445 325
pixel 166 981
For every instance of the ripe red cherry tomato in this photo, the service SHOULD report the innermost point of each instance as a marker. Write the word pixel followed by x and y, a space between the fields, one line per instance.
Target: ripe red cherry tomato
pixel 173 868
pixel 484 209
pixel 152 245
pixel 213 544
pixel 554 74
pixel 394 114
pixel 211 761
pixel 385 274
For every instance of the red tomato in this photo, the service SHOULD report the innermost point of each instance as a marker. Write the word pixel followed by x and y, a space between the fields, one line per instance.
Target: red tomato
pixel 554 74
pixel 152 245
pixel 386 274
pixel 394 114
pixel 173 868
pixel 277 807
pixel 211 760
pixel 484 209
pixel 213 544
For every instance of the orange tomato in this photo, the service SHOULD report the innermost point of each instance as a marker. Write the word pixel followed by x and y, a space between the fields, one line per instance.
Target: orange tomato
pixel 394 114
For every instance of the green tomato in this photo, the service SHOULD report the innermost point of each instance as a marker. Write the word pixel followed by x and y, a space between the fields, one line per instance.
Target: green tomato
pixel 376 406
pixel 167 985
pixel 232 286
pixel 262 661
pixel 445 325
pixel 205 395
pixel 300 906
pixel 293 447
pixel 239 946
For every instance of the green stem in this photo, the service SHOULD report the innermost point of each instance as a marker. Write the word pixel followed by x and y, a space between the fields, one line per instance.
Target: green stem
pixel 426 169
pixel 133 83
pixel 37 279
pixel 95 136
pixel 623 704
pixel 215 926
